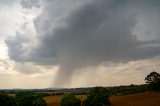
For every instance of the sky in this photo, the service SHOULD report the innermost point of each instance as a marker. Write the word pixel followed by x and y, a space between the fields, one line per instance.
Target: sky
pixel 78 43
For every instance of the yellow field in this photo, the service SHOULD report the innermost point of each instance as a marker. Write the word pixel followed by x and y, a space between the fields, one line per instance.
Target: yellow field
pixel 13 95
pixel 52 100
pixel 141 99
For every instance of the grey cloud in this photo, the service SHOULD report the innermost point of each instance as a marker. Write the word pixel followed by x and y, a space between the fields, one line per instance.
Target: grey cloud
pixel 17 48
pixel 27 69
pixel 87 35
pixel 30 3
pixel 7 2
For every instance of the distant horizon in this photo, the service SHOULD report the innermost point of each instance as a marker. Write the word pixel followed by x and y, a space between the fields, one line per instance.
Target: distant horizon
pixel 66 87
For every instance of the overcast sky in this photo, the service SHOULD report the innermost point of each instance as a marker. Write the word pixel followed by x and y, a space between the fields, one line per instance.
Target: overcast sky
pixel 78 43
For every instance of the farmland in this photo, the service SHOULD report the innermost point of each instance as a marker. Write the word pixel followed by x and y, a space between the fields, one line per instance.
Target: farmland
pixel 131 95
pixel 55 100
pixel 140 99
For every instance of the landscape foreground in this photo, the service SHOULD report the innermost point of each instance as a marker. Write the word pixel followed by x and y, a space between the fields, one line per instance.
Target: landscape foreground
pixel 130 95
pixel 140 99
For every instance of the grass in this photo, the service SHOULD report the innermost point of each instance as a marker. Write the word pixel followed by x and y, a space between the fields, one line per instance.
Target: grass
pixel 13 95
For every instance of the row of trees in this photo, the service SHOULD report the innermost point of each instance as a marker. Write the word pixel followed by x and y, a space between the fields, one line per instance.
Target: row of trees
pixel 6 100
pixel 30 99
pixel 96 97
pixel 23 99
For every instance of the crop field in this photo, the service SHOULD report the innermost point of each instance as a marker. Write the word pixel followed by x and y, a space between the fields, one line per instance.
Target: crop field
pixel 52 100
pixel 141 99
pixel 55 100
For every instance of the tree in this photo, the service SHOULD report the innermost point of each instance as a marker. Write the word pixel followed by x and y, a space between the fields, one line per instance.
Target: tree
pixel 98 97
pixel 70 100
pixel 39 102
pixel 26 100
pixel 6 100
pixel 30 99
pixel 153 79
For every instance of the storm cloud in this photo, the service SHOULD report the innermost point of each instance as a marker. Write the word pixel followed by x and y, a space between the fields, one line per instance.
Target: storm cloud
pixel 88 33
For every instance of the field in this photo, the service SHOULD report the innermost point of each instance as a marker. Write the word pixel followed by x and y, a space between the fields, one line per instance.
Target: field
pixel 55 100
pixel 52 100
pixel 141 99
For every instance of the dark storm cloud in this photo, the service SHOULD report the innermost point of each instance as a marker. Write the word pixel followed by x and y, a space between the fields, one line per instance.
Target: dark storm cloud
pixel 17 50
pixel 87 35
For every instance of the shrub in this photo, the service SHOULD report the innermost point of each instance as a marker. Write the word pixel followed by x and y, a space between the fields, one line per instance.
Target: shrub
pixel 30 99
pixel 6 100
pixel 70 100
pixel 39 102
pixel 97 97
